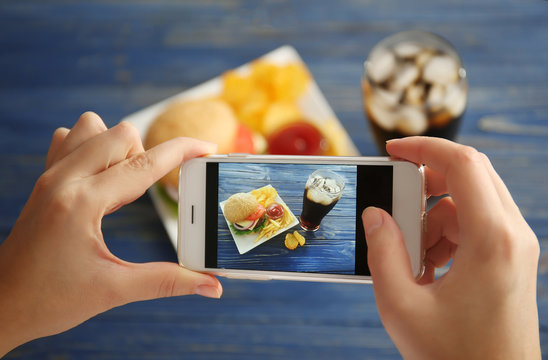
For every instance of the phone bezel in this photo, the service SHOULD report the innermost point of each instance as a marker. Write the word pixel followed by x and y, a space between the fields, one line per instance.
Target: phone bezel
pixel 408 198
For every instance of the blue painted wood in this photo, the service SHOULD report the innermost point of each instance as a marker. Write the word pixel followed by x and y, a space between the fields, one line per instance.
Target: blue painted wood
pixel 330 249
pixel 60 58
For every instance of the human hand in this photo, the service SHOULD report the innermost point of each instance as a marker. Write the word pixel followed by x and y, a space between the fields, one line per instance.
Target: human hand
pixel 55 268
pixel 484 307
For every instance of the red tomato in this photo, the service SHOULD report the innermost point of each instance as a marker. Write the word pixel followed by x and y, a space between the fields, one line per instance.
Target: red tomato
pixel 299 138
pixel 259 211
pixel 244 141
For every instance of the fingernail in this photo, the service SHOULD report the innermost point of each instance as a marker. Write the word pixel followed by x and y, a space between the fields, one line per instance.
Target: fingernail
pixel 372 220
pixel 208 291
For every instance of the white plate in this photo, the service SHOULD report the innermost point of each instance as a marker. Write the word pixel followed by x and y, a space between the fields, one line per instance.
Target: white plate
pixel 312 104
pixel 244 243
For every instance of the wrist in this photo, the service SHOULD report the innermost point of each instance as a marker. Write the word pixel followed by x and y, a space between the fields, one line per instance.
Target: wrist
pixel 13 327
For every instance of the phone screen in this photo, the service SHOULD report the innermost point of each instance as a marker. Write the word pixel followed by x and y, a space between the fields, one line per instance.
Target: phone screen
pixel 322 203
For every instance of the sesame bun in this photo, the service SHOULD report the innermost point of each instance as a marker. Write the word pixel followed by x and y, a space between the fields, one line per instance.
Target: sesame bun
pixel 239 206
pixel 208 119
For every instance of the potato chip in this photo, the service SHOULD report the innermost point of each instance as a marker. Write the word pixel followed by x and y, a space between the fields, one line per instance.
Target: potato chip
pixel 265 195
pixel 237 88
pixel 290 82
pixel 278 114
pixel 299 238
pixel 291 242
pixel 251 112
pixel 263 73
pixel 254 96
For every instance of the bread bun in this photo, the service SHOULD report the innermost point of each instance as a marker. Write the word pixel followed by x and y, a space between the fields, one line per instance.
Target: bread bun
pixel 239 206
pixel 206 119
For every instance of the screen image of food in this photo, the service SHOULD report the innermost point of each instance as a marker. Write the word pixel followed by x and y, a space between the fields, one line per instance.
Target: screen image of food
pixel 291 217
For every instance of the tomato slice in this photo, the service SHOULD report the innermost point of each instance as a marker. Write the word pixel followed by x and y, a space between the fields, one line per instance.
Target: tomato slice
pixel 259 211
pixel 244 141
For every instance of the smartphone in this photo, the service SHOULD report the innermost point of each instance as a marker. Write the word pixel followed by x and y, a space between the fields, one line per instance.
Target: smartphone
pixel 293 217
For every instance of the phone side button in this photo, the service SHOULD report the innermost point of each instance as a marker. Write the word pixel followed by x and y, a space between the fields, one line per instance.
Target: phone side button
pixel 238 155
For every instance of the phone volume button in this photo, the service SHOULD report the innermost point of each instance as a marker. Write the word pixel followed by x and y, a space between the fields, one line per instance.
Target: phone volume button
pixel 239 155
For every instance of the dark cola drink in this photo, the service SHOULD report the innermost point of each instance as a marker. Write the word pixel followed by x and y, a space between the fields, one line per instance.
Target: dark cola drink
pixel 322 192
pixel 414 84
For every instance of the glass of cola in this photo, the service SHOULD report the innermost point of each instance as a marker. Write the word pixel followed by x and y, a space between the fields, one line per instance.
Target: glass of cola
pixel 322 191
pixel 413 83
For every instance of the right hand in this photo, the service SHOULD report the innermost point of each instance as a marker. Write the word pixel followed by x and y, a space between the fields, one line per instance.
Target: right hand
pixel 485 306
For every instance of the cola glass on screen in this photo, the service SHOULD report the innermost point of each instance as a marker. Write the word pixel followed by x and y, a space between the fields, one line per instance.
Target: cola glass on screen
pixel 322 191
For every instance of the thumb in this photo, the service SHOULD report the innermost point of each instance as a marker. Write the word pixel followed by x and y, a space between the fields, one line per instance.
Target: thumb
pixel 387 257
pixel 163 279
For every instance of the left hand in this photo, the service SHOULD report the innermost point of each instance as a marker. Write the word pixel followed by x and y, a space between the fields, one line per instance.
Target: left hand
pixel 55 268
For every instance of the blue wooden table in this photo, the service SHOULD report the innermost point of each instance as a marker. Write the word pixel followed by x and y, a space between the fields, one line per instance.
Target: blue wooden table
pixel 330 249
pixel 61 58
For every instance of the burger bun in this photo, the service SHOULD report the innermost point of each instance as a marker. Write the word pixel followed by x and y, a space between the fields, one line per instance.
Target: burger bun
pixel 239 206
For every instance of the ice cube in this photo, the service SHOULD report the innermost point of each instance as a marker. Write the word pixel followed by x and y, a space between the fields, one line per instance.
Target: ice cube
pixel 411 120
pixel 331 186
pixel 414 95
pixel 423 57
pixel 405 76
pixel 406 50
pixel 455 99
pixel 441 69
pixel 381 115
pixel 436 96
pixel 387 97
pixel 381 65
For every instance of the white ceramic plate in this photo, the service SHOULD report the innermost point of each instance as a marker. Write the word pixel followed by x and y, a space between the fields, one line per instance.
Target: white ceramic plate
pixel 312 104
pixel 246 242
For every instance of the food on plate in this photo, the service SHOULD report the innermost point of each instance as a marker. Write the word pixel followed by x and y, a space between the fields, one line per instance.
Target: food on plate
pixel 279 114
pixel 259 211
pixel 265 96
pixel 291 242
pixel 298 138
pixel 275 211
pixel 244 213
pixel 274 225
pixel 265 195
pixel 299 238
pixel 210 120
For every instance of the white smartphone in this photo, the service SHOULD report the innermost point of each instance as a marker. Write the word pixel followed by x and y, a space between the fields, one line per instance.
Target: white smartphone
pixel 293 218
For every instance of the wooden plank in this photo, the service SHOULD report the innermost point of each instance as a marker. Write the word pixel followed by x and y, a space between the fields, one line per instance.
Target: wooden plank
pixel 60 58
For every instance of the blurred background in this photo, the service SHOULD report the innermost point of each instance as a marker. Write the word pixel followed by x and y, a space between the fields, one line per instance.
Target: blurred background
pixel 61 58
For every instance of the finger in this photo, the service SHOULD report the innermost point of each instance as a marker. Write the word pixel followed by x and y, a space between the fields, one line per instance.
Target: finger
pixel 468 181
pixel 57 139
pixel 442 222
pixel 440 254
pixel 387 258
pixel 129 179
pixel 435 183
pixel 154 280
pixel 502 190
pixel 436 257
pixel 103 151
pixel 88 125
